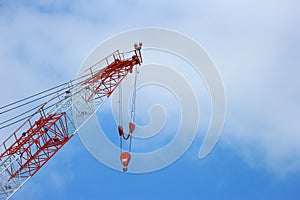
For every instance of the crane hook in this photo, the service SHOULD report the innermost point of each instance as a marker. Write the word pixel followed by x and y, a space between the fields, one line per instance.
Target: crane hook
pixel 125 158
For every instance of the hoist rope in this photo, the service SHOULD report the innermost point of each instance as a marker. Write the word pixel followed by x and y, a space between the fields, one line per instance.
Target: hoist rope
pixel 120 115
pixel 132 113
pixel 56 92
pixel 134 96
pixel 43 92
pixel 133 106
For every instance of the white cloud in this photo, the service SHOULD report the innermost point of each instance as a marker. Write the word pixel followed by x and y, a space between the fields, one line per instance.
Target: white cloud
pixel 254 47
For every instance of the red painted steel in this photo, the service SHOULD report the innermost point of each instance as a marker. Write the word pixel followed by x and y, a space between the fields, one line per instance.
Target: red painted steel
pixel 46 134
pixel 110 77
pixel 37 144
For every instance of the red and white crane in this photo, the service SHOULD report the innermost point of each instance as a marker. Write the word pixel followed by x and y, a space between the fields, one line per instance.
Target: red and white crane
pixel 46 127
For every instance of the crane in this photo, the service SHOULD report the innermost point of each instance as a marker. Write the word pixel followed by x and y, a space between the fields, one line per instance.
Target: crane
pixel 44 129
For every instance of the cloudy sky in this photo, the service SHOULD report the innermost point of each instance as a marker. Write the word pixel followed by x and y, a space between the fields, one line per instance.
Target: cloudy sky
pixel 255 46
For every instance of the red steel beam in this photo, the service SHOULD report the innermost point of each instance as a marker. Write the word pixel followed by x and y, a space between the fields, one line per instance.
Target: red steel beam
pixel 110 77
pixel 44 142
pixel 47 134
pixel 38 144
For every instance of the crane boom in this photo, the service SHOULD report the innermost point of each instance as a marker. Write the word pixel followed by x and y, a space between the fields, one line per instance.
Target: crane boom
pixel 43 133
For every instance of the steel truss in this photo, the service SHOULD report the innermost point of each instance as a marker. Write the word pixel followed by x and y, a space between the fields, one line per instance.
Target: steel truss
pixel 37 140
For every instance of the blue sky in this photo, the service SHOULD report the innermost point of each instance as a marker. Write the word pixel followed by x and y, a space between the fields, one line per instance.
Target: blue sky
pixel 255 47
